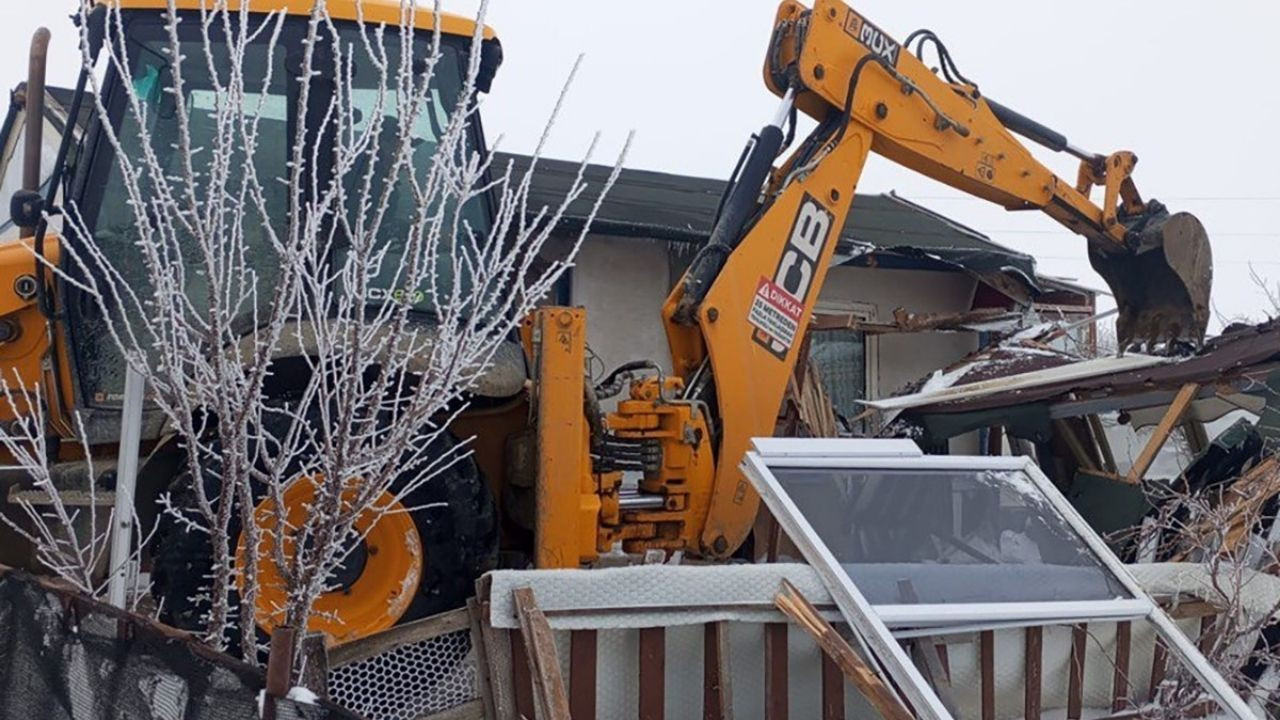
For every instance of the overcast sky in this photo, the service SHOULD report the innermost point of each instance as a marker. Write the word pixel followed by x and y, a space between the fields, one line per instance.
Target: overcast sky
pixel 1182 83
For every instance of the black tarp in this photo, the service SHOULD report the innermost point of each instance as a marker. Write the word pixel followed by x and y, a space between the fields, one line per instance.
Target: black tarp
pixel 63 656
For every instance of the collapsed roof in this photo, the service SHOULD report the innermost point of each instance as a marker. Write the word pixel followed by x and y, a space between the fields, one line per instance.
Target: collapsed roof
pixel 1231 371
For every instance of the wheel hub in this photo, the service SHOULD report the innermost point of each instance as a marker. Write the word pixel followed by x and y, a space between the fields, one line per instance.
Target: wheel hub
pixel 369 590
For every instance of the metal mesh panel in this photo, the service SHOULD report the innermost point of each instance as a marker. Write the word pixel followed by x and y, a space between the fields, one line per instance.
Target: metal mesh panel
pixel 63 656
pixel 409 681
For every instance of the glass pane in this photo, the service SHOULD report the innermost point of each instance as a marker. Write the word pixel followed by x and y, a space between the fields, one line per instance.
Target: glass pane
pixel 840 356
pixel 11 174
pixel 947 536
pixel 373 93
pixel 115 227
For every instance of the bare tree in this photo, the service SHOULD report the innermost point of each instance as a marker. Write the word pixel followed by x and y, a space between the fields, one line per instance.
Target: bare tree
pixel 1270 290
pixel 240 244
pixel 68 542
pixel 1227 529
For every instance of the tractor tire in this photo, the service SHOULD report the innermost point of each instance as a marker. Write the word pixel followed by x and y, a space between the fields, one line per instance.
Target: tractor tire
pixel 453 512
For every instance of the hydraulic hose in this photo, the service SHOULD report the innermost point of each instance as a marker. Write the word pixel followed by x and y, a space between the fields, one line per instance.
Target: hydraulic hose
pixel 738 208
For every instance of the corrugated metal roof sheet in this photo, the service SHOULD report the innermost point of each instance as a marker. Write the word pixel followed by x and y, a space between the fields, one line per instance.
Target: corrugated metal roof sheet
pixel 1013 383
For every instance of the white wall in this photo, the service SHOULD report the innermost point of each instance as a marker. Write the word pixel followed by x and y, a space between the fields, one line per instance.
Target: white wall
pixel 905 357
pixel 622 283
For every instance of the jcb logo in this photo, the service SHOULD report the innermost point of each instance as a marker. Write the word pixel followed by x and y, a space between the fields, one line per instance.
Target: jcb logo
pixel 875 39
pixel 799 262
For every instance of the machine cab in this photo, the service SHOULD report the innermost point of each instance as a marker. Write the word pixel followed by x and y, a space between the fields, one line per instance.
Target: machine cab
pixel 97 192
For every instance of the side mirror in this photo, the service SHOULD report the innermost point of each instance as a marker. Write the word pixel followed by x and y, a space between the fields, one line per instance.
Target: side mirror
pixel 96 27
pixel 490 59
pixel 26 207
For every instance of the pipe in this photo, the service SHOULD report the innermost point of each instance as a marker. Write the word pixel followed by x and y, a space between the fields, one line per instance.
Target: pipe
pixel 738 208
pixel 1035 131
pixel 122 530
pixel 33 111
pixel 640 501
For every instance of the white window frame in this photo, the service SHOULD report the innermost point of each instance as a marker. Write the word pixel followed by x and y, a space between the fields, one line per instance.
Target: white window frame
pixel 870 341
pixel 873 622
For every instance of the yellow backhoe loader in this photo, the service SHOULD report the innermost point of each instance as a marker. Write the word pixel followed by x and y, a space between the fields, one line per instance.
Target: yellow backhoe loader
pixel 734 322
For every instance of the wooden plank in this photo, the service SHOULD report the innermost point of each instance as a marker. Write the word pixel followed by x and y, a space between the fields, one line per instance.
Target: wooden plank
pixel 1207 635
pixel 1159 665
pixel 1083 457
pixel 279 669
pixel 653 673
pixel 1171 418
pixel 550 701
pixel 521 680
pixel 1075 672
pixel 797 607
pixel 987 657
pixel 775 671
pixel 502 679
pixel 1104 445
pixel 717 697
pixel 995 440
pixel 1120 681
pixel 832 689
pixel 1032 670
pixel 315 665
pixel 406 634
pixel 484 681
pixel 582 674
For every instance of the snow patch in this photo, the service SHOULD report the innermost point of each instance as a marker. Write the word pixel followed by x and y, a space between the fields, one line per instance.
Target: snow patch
pixel 302 695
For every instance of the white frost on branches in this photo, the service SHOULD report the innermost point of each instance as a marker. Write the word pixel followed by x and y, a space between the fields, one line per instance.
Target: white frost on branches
pixel 71 537
pixel 382 213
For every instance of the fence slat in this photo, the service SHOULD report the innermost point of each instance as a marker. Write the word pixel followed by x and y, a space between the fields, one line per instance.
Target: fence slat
pixel 987 653
pixel 1159 663
pixel 1075 681
pixel 717 697
pixel 549 698
pixel 832 689
pixel 653 673
pixel 1034 653
pixel 1120 683
pixel 582 674
pixel 520 676
pixel 775 671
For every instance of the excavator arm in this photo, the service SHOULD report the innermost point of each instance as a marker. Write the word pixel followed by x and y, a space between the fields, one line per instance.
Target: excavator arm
pixel 1158 265
pixel 736 319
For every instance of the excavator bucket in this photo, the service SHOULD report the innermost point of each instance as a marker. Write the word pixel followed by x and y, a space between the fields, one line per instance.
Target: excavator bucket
pixel 1161 281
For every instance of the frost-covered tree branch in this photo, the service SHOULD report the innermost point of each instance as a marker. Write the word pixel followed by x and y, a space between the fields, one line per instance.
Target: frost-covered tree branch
pixel 1226 530
pixel 313 264
pixel 69 535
